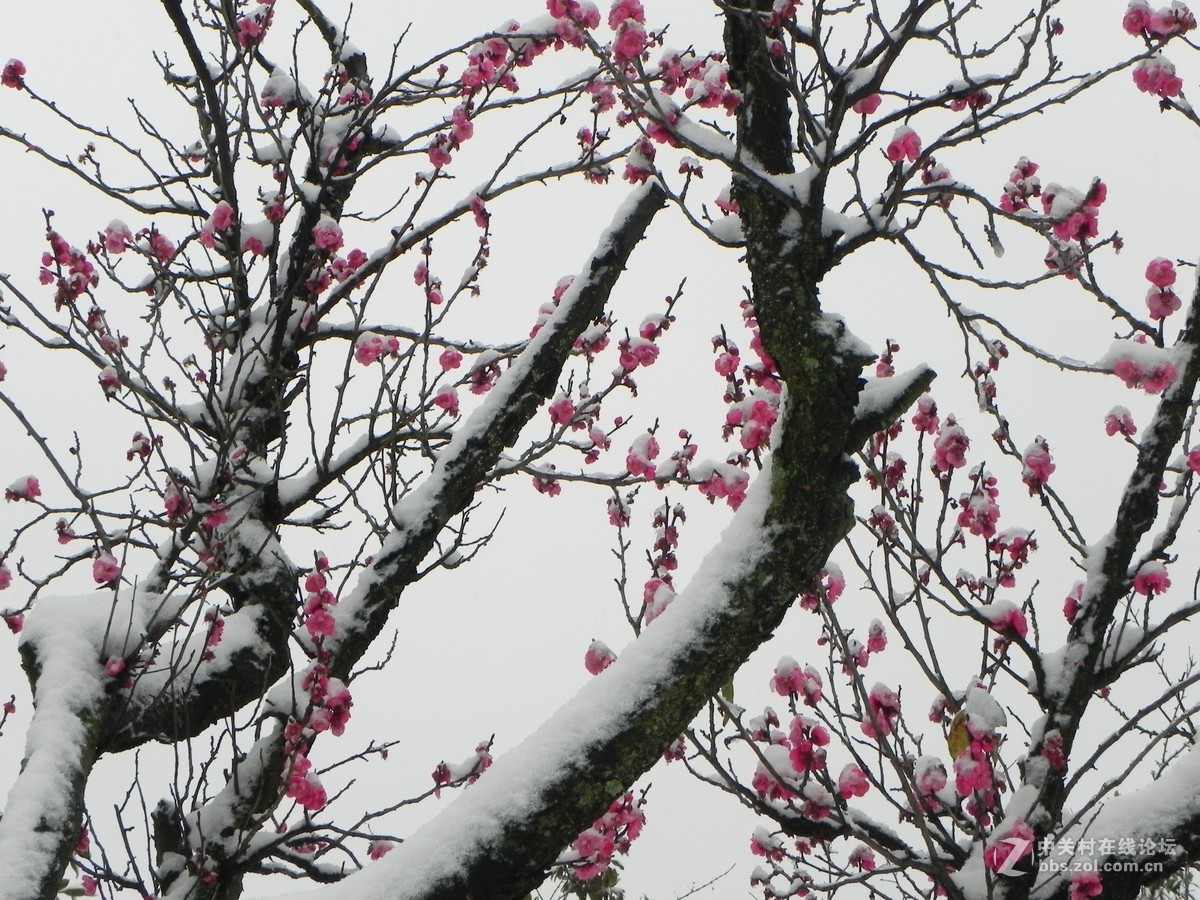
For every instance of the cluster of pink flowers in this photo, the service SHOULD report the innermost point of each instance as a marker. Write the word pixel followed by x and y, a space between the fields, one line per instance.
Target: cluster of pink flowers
pixel 116 237
pixel 1023 185
pixel 726 482
pixel 978 511
pixel 252 27
pixel 1119 420
pixel 639 461
pixel 639 164
pixel 905 144
pixel 614 832
pixel 704 79
pixel 1156 75
pixel 766 845
pixel 808 740
pixel 929 778
pixel 574 17
pixel 790 680
pixel 1011 847
pixel 1161 300
pixel 1162 24
pixel 637 351
pixel 73 273
pixel 219 221
pixel 1085 885
pixel 628 20
pixel 461 130
pixel 369 348
pixel 25 488
pixel 1038 466
pixel 303 785
pixel 319 600
pixel 755 417
pixel 327 235
pixel 344 268
pixel 973 100
pixel 1152 381
pixel 1077 214
pixel 883 712
pixel 1015 544
pixel 950 446
pixel 13 74
pixel 330 701
pixel 159 246
pixel 925 419
pixel 1006 619
pixel 832 583
pixel 466 772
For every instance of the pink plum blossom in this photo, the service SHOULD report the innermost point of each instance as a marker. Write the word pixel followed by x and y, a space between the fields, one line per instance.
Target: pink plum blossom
pixel 950 447
pixel 1156 75
pixel 327 235
pixel 1003 852
pixel 639 459
pixel 876 637
pixel 25 488
pixel 926 419
pixel 853 782
pixel 905 144
pixel 379 849
pixel 1074 603
pixel 1038 465
pixel 13 75
pixel 450 359
pixel 598 657
pixel 117 237
pixel 727 364
pixel 1137 17
pixel 221 218
pixel 1085 885
pixel 1161 303
pixel 1120 421
pixel 863 857
pixel 561 411
pixel 625 10
pixel 1151 579
pixel 1007 619
pixel 369 348
pixel 105 569
pixel 867 105
pixel 883 711
pixel 1160 272
pixel 447 399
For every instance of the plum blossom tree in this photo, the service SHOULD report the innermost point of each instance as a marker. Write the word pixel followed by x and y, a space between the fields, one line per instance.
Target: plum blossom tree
pixel 284 330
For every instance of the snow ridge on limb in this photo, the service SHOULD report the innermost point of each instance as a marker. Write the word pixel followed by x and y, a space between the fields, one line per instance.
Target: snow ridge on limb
pixel 449 488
